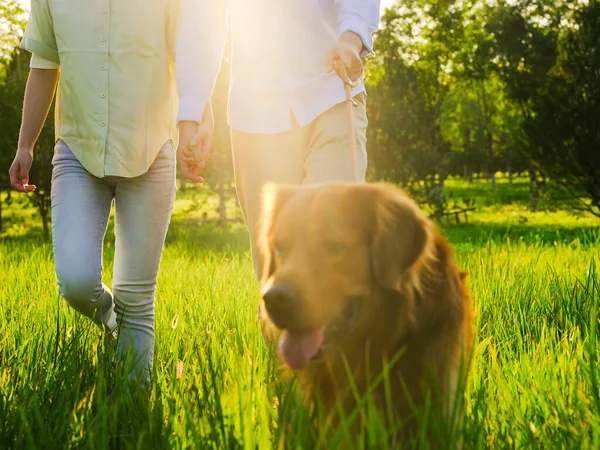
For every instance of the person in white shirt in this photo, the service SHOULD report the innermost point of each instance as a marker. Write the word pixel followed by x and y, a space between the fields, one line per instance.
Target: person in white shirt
pixel 287 107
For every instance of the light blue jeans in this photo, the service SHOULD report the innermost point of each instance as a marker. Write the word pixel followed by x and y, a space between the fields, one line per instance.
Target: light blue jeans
pixel 81 205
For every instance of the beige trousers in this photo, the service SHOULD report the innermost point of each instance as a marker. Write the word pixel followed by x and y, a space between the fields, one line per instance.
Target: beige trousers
pixel 319 152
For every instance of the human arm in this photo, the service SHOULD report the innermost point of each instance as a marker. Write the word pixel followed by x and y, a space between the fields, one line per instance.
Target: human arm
pixel 39 93
pixel 357 19
pixel 193 156
pixel 200 46
pixel 39 38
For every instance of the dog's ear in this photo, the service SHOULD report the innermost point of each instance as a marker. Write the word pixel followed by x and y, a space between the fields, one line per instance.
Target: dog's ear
pixel 400 237
pixel 273 198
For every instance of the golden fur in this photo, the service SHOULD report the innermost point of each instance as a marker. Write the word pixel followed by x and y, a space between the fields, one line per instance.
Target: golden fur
pixel 370 268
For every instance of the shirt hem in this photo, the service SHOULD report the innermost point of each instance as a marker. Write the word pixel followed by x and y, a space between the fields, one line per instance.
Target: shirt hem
pixel 302 119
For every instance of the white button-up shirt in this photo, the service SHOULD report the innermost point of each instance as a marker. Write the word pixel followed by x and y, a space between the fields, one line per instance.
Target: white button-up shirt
pixel 278 57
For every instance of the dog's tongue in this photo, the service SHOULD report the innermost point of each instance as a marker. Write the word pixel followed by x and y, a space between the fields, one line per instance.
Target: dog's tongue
pixel 298 347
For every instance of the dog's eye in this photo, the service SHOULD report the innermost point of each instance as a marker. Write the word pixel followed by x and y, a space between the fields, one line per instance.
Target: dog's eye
pixel 277 252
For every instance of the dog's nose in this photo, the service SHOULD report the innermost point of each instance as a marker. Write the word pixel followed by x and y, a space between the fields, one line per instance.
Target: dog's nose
pixel 282 305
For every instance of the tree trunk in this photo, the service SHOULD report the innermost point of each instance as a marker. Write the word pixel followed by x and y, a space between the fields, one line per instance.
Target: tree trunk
pixel 183 184
pixel 532 190
pixel 222 206
pixel 46 228
pixel 468 174
pixel 489 137
pixel 440 192
pixel 45 213
pixel 508 163
pixel 44 205
pixel 0 211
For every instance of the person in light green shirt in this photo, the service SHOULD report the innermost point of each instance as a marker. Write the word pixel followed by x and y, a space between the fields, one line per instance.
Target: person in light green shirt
pixel 115 120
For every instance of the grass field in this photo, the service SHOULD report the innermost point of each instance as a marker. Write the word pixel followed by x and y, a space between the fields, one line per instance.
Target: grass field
pixel 534 383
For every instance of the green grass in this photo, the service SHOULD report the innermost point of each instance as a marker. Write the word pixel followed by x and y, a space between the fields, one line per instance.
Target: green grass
pixel 534 383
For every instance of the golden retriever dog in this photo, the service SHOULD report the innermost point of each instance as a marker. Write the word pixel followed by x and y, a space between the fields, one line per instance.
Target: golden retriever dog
pixel 356 278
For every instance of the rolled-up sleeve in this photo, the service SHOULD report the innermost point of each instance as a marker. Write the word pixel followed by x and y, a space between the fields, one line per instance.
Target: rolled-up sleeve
pixel 360 17
pixel 39 37
pixel 200 45
pixel 37 62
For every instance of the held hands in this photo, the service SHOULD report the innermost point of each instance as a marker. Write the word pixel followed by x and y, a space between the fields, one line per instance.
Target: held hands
pixel 195 140
pixel 344 57
pixel 195 144
pixel 19 171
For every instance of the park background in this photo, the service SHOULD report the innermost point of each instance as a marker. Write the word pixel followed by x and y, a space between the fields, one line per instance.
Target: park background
pixel 486 112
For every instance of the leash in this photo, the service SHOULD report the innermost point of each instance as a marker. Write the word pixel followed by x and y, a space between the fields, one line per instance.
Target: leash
pixel 348 85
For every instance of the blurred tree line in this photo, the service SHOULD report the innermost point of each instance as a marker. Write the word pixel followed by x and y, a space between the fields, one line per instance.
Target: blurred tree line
pixel 457 88
pixel 470 87
pixel 14 69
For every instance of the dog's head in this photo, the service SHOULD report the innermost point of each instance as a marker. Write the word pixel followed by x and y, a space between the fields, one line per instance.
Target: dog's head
pixel 326 249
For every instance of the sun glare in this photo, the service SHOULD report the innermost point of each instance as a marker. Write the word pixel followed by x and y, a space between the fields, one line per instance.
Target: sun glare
pixel 384 3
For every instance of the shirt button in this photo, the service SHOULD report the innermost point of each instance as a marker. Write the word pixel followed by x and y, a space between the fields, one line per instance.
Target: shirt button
pixel 102 68
pixel 103 95
pixel 104 39
pixel 103 123
pixel 104 11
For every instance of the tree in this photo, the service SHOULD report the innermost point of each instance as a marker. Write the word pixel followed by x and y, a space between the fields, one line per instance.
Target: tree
pixel 546 53
pixel 12 93
pixel 523 53
pixel 565 114
pixel 219 173
pixel 464 86
pixel 409 83
pixel 489 121
pixel 12 24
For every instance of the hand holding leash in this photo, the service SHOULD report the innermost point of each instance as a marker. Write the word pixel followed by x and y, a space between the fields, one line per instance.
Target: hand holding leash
pixel 346 53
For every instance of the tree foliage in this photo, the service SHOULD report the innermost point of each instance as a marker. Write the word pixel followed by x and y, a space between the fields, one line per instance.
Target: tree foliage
pixel 12 91
pixel 565 113
pixel 12 24
pixel 459 87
